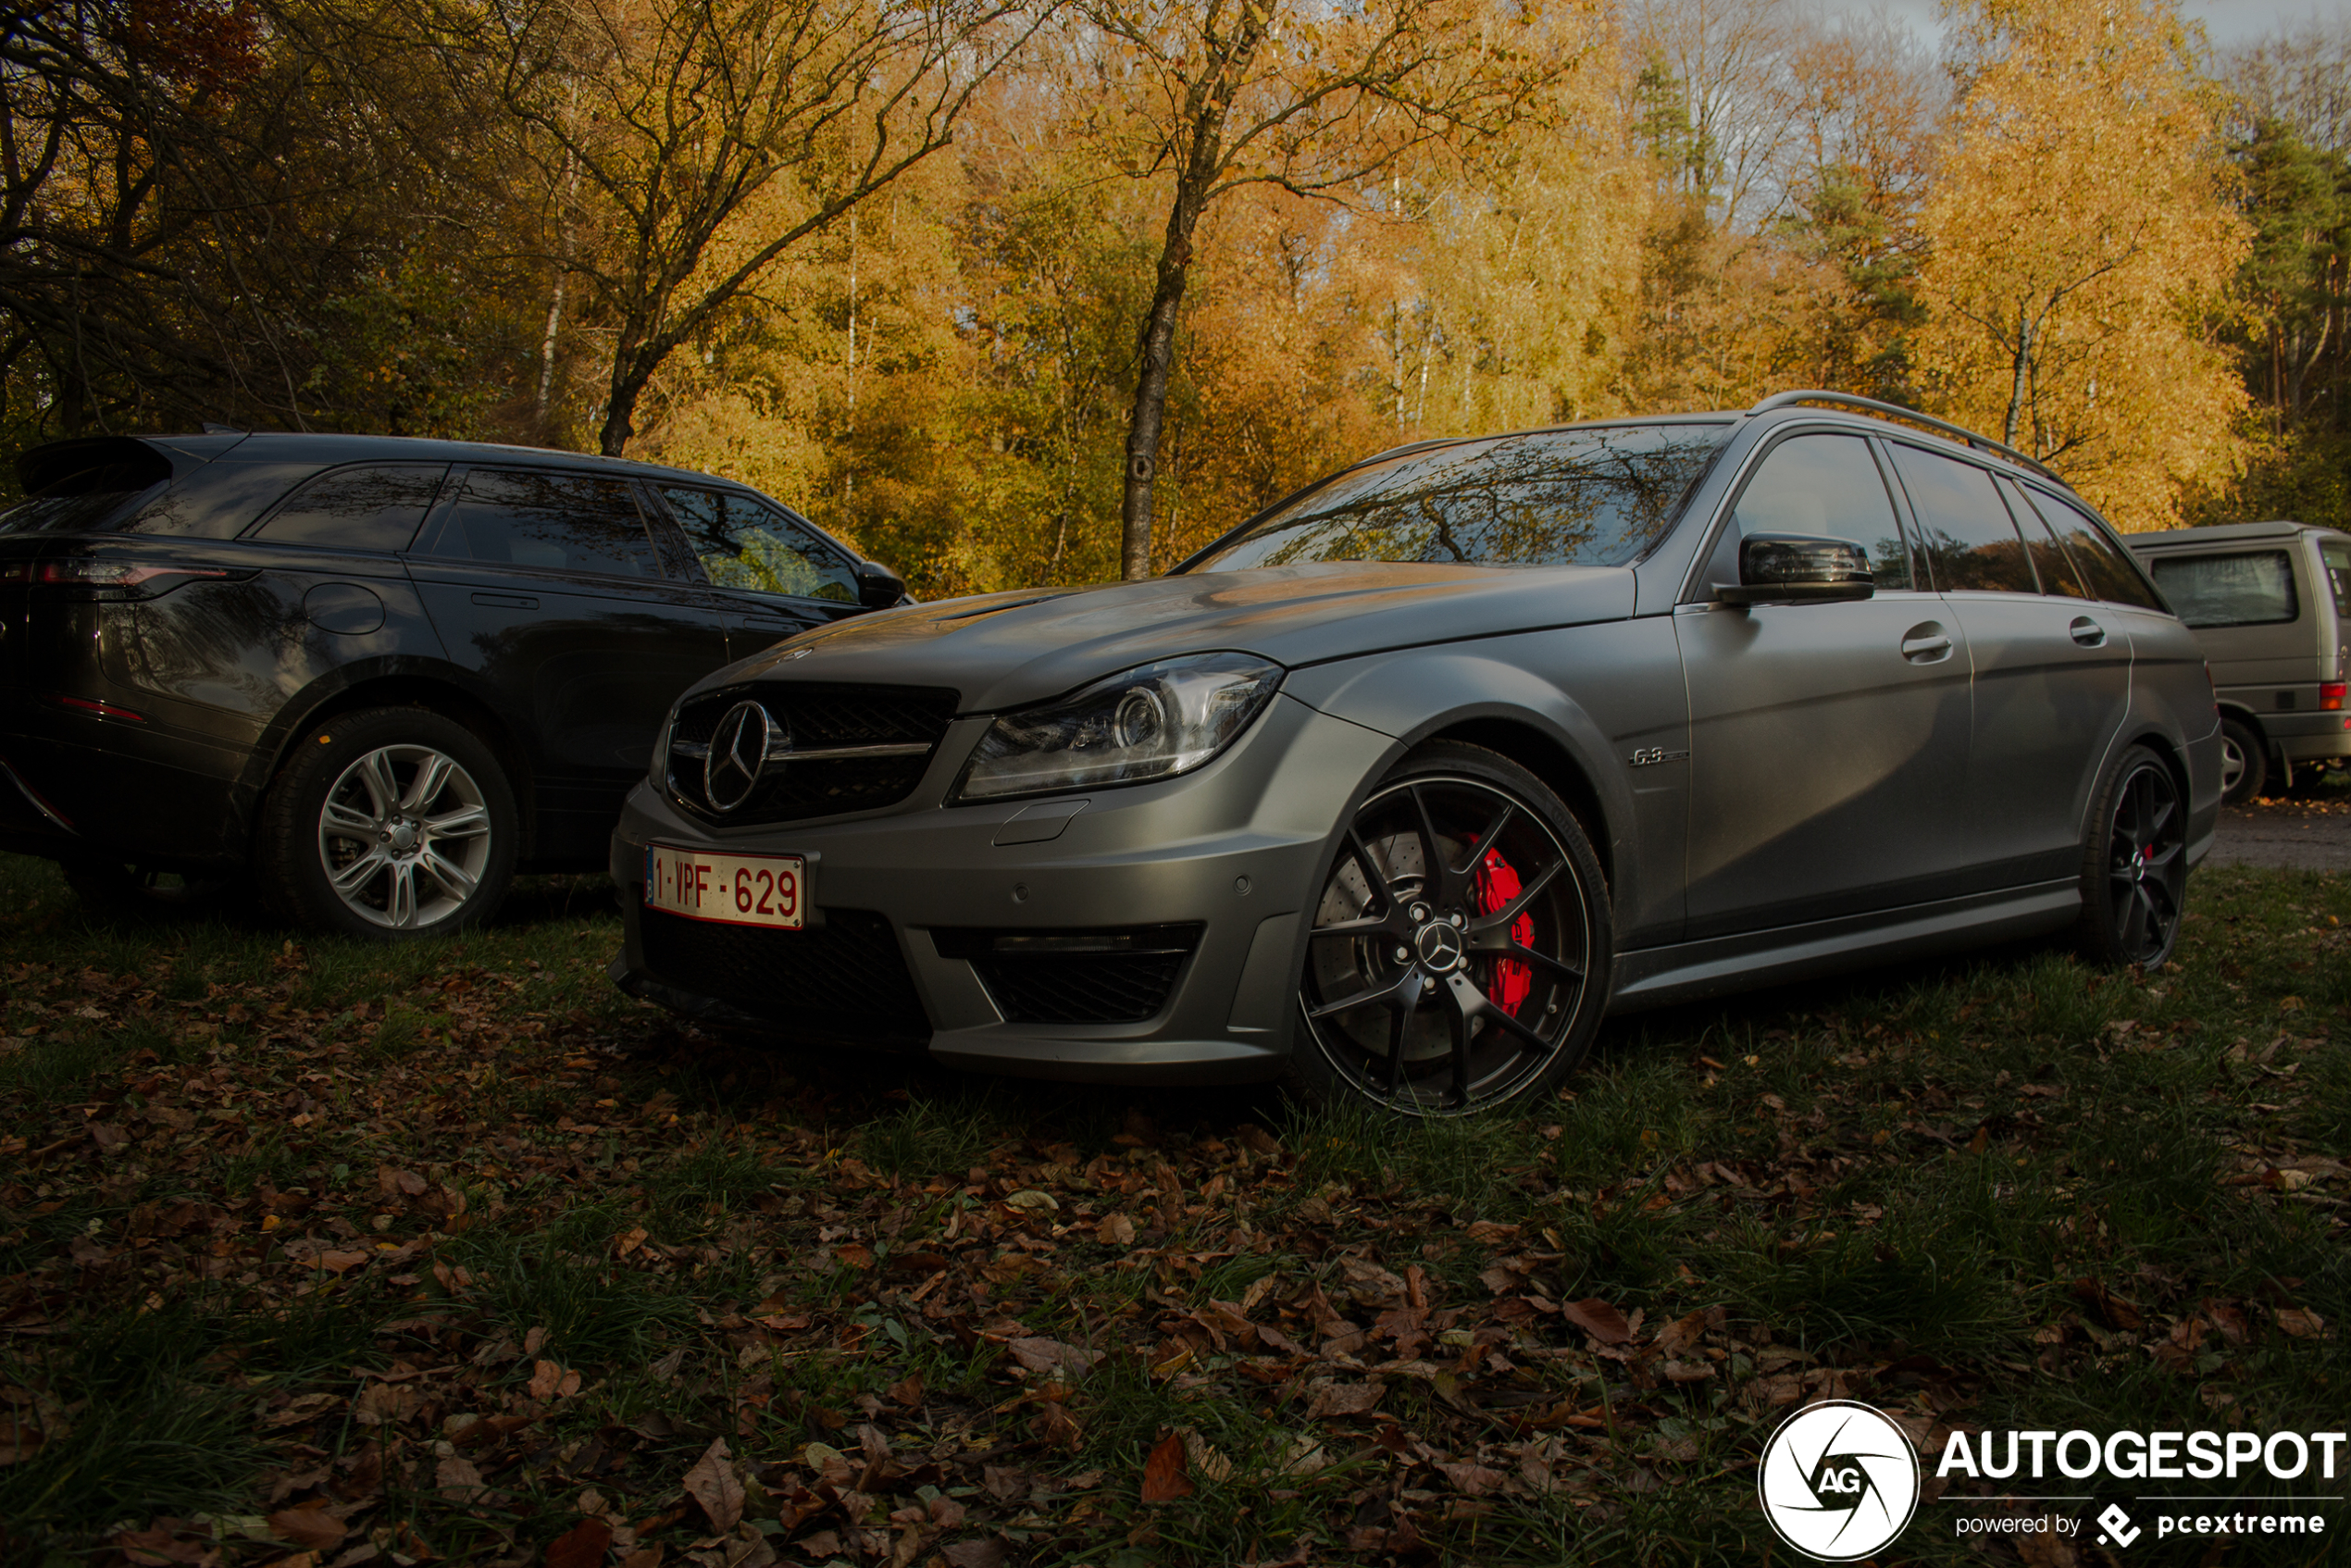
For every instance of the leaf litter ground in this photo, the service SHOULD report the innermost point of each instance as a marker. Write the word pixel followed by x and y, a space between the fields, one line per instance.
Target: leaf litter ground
pixel 313 1253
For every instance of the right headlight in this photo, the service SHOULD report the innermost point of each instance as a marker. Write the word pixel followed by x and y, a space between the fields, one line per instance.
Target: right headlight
pixel 1153 722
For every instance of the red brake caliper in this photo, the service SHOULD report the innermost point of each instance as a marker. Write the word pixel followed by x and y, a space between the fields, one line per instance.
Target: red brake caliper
pixel 1497 885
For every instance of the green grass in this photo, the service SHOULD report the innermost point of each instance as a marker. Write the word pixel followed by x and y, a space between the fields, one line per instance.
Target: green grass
pixel 247 1179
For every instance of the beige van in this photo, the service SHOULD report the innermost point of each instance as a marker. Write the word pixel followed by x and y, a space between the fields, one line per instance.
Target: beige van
pixel 2271 604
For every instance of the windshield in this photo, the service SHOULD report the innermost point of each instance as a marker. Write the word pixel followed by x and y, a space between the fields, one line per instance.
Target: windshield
pixel 1596 496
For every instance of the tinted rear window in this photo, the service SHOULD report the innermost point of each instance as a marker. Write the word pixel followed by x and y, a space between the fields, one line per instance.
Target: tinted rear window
pixel 88 500
pixel 552 521
pixel 2099 560
pixel 2254 588
pixel 1594 497
pixel 378 507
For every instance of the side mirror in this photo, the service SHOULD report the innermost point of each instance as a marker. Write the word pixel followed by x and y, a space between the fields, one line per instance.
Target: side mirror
pixel 1799 570
pixel 878 587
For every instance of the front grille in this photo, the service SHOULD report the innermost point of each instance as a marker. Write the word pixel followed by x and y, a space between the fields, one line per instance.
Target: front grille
pixel 819 719
pixel 842 979
pixel 1113 977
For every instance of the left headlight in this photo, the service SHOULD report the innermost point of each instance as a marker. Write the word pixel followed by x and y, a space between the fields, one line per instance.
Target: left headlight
pixel 1153 722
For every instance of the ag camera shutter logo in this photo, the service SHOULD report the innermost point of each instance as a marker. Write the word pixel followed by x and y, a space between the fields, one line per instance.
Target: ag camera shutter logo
pixel 1838 1481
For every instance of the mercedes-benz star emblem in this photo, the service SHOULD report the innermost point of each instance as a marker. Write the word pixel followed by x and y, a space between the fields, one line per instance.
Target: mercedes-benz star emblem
pixel 1439 946
pixel 740 748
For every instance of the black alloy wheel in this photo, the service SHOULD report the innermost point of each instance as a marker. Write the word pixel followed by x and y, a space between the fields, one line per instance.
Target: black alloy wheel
pixel 2135 865
pixel 1459 951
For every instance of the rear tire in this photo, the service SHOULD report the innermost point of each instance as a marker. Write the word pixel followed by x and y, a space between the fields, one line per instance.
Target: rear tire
pixel 2134 866
pixel 388 824
pixel 2244 762
pixel 1459 951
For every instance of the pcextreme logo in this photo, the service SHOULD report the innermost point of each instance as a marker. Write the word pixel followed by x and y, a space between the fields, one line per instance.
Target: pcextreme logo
pixel 1838 1480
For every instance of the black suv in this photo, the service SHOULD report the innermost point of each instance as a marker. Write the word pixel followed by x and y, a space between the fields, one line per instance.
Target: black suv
pixel 378 674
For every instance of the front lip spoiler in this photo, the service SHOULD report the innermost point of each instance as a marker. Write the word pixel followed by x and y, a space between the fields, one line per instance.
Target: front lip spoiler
pixel 710 1012
pixel 33 798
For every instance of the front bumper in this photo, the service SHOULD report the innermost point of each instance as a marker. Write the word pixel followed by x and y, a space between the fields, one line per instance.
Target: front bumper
pixel 1235 850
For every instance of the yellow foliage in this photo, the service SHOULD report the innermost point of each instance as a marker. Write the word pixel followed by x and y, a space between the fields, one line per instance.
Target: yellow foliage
pixel 2082 245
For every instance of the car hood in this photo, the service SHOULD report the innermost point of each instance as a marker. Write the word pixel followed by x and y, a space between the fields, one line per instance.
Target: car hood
pixel 1003 650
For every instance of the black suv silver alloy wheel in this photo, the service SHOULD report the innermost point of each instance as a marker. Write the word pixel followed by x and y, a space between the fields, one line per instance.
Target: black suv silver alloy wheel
pixel 1460 951
pixel 392 822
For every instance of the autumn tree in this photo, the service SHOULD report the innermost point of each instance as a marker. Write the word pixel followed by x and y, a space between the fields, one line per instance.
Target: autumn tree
pixel 2082 243
pixel 669 118
pixel 1212 97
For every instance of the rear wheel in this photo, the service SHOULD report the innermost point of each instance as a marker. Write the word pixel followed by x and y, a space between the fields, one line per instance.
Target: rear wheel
pixel 1459 951
pixel 2245 761
pixel 2134 866
pixel 389 823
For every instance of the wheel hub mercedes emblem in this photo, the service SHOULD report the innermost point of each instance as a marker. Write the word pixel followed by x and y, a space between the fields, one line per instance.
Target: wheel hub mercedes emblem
pixel 1439 946
pixel 740 747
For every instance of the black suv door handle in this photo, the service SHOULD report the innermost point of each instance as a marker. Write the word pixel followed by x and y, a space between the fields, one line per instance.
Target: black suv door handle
pixel 2087 632
pixel 507 601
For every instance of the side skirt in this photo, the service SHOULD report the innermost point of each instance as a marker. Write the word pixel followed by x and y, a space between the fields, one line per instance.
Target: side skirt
pixel 1689 971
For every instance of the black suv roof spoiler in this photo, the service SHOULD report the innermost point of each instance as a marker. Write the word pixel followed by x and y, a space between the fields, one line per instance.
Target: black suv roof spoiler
pixel 53 462
pixel 1960 433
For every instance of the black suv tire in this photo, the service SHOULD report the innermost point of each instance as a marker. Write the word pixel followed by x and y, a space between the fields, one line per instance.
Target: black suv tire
pixel 388 824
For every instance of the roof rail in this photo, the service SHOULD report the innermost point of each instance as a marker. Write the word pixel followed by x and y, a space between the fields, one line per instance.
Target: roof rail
pixel 1909 416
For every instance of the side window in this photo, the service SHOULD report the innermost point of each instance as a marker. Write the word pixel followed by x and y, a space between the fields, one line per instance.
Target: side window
pixel 2337 560
pixel 1964 529
pixel 2056 571
pixel 743 544
pixel 1829 487
pixel 374 507
pixel 560 522
pixel 2254 588
pixel 2098 558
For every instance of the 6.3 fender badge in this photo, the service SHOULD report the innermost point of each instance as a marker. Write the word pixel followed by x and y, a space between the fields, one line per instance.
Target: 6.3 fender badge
pixel 1649 756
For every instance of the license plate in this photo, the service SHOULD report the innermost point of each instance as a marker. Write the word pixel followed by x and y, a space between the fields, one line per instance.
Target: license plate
pixel 734 890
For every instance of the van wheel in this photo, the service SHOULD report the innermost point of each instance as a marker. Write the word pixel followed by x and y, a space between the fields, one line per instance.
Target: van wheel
pixel 2245 761
pixel 389 823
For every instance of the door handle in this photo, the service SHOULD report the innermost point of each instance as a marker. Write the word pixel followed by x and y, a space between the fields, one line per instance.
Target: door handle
pixel 2087 632
pixel 1926 645
pixel 506 601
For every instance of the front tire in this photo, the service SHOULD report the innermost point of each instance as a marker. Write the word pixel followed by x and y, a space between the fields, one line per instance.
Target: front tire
pixel 388 824
pixel 1460 952
pixel 2134 866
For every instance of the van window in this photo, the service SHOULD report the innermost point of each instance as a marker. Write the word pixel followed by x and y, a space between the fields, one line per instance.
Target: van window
pixel 2254 588
pixel 2338 563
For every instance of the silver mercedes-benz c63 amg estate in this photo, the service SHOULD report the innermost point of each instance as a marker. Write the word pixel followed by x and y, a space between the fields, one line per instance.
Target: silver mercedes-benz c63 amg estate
pixel 1401 785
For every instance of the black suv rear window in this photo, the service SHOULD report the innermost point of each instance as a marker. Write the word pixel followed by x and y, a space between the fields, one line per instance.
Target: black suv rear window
pixel 553 521
pixel 89 498
pixel 376 506
pixel 1599 497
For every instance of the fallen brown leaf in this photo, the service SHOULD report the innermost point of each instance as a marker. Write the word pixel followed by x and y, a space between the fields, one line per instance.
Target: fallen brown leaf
pixel 1164 1473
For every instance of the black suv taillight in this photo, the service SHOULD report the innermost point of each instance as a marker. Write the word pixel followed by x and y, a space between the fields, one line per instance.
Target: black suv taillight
pixel 104 577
